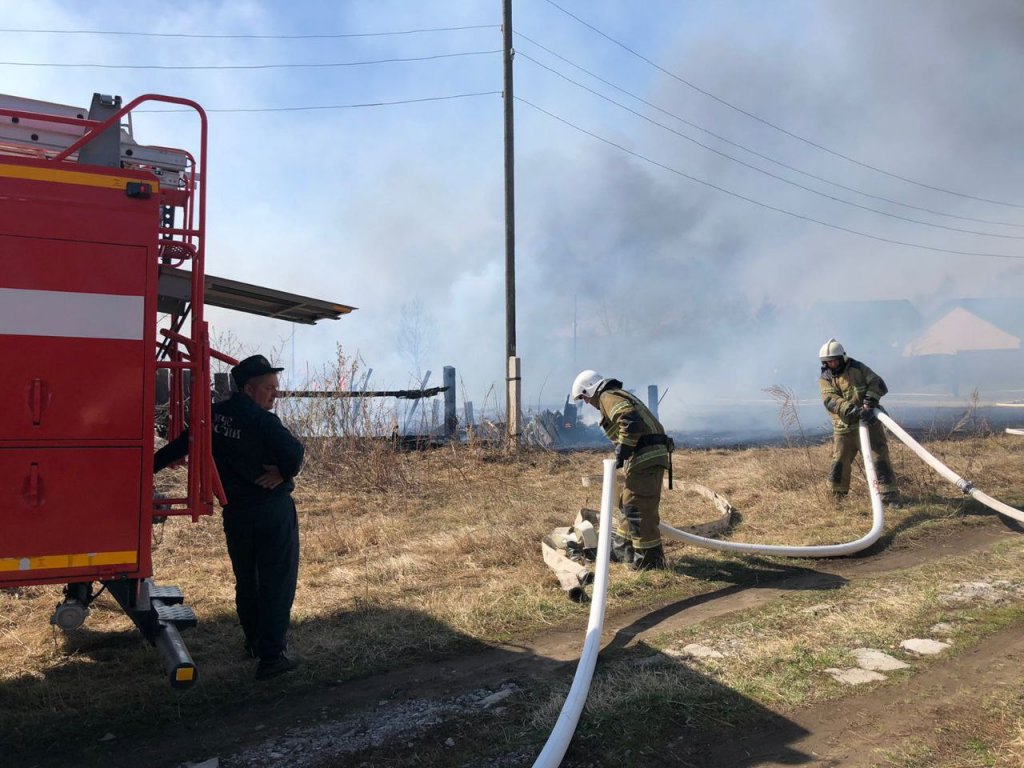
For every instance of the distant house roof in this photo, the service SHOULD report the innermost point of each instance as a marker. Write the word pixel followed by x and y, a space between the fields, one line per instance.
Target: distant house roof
pixel 960 331
pixel 1007 314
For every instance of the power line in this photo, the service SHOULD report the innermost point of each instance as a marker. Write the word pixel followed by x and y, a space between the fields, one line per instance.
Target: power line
pixel 770 124
pixel 326 36
pixel 769 173
pixel 330 106
pixel 748 149
pixel 255 66
pixel 839 227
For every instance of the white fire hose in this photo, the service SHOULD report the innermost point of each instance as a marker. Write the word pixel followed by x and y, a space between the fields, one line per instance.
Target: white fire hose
pixel 1012 431
pixel 827 550
pixel 562 733
pixel 965 486
pixel 558 742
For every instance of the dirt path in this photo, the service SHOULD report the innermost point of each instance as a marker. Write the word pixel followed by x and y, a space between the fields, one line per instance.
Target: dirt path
pixel 819 737
pixel 858 731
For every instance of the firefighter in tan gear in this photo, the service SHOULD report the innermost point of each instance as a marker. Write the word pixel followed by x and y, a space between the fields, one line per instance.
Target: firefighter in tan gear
pixel 643 450
pixel 851 392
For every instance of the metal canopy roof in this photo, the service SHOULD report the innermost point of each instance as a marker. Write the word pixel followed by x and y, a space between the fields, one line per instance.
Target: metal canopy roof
pixel 175 289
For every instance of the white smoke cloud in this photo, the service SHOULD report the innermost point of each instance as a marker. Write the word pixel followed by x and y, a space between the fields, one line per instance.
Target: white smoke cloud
pixel 621 265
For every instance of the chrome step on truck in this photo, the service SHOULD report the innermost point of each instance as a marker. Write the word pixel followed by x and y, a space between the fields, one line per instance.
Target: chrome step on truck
pixel 159 613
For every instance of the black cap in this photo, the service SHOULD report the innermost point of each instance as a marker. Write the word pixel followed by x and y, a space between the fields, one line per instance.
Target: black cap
pixel 250 368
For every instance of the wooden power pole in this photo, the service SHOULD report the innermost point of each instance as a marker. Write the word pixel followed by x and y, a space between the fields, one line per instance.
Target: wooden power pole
pixel 513 393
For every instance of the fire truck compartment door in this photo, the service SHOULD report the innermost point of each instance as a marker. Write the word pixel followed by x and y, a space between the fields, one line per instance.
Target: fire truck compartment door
pixel 72 330
pixel 69 511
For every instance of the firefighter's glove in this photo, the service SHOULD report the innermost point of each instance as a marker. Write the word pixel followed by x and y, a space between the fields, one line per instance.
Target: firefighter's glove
pixel 853 414
pixel 622 454
pixel 874 405
pixel 868 416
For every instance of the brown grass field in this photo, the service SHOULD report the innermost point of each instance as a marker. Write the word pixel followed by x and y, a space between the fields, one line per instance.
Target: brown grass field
pixel 425 557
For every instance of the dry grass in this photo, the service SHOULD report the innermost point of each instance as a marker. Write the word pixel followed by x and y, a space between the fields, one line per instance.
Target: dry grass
pixel 773 660
pixel 769 652
pixel 994 738
pixel 419 555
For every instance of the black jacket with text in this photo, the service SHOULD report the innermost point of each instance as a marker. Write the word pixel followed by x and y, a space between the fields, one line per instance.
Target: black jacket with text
pixel 246 438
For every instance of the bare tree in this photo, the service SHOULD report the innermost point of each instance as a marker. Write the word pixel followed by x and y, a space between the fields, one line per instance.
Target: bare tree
pixel 416 329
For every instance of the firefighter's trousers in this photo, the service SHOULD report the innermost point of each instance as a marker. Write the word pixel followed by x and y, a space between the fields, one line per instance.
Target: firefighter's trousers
pixel 638 500
pixel 263 543
pixel 846 446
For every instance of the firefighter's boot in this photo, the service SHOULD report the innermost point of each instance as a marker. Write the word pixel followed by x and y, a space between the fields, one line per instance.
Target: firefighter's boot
pixel 622 549
pixel 650 559
pixel 891 499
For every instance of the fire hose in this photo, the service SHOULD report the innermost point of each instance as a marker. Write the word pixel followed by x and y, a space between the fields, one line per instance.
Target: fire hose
pixel 558 742
pixel 827 550
pixel 965 486
pixel 1012 431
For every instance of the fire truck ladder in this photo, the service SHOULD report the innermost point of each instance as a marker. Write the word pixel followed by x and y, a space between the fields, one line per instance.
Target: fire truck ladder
pixel 67 138
pixel 76 167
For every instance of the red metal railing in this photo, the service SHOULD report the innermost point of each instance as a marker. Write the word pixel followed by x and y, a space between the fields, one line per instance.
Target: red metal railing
pixel 184 353
pixel 206 483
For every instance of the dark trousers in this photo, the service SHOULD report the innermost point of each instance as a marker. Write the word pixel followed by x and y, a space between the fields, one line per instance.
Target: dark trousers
pixel 845 448
pixel 263 543
pixel 639 500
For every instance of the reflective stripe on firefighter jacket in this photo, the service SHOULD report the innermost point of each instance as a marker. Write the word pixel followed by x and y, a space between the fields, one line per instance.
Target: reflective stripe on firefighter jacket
pixel 625 420
pixel 842 390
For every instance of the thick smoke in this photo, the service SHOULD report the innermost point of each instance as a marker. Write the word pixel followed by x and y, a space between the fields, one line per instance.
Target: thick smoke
pixel 623 264
pixel 716 299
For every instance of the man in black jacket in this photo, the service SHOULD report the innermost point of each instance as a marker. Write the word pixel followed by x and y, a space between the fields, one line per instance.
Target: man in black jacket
pixel 257 459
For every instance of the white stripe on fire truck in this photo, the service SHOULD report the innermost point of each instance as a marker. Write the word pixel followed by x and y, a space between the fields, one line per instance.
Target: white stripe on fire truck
pixel 78 315
pixel 83 560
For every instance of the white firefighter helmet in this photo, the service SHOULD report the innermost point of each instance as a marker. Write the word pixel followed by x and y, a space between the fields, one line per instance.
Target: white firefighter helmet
pixel 586 383
pixel 830 349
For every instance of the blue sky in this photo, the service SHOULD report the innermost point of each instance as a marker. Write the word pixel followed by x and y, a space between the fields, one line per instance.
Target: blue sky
pixel 399 209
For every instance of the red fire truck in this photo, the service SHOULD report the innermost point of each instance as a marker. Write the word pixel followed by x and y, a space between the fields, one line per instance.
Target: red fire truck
pixel 102 290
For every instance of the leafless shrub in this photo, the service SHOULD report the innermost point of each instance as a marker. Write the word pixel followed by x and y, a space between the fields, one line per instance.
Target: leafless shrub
pixel 970 423
pixel 349 440
pixel 789 417
pixel 786 475
pixel 451 554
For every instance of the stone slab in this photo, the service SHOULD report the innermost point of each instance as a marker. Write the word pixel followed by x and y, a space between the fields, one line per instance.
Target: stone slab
pixel 855 675
pixel 876 660
pixel 698 651
pixel 924 646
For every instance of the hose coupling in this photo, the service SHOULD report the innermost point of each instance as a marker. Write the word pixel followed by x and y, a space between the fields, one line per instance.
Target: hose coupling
pixel 965 486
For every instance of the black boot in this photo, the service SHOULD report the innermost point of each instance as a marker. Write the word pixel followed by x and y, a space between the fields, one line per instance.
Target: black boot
pixel 650 559
pixel 891 499
pixel 622 549
pixel 252 648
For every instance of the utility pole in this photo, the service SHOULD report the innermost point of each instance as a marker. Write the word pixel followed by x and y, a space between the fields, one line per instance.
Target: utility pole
pixel 512 379
pixel 574 365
